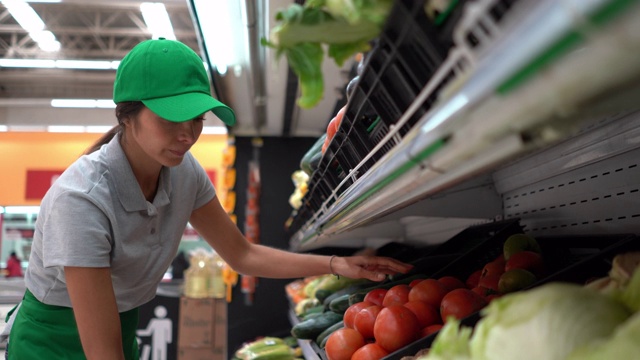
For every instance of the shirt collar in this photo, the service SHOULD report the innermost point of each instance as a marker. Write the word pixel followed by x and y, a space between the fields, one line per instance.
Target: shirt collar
pixel 126 185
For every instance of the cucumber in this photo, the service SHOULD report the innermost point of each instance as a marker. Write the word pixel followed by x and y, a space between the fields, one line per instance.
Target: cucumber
pixel 311 328
pixel 346 291
pixel 322 338
pixel 305 162
pixel 313 310
pixel 340 304
pixel 359 295
pixel 322 294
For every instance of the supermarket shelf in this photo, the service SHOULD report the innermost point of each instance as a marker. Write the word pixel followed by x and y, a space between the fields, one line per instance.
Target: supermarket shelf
pixel 517 97
pixel 307 350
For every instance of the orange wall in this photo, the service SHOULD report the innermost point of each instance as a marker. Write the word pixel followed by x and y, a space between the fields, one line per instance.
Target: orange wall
pixel 20 152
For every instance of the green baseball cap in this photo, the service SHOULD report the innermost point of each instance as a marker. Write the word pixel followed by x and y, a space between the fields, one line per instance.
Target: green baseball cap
pixel 170 79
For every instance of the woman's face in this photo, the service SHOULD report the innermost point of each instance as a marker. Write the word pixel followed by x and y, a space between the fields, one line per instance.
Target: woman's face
pixel 161 140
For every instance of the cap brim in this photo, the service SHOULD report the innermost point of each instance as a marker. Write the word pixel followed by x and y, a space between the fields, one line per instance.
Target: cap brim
pixel 188 106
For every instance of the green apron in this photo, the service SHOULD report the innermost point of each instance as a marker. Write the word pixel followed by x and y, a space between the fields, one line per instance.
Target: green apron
pixel 48 331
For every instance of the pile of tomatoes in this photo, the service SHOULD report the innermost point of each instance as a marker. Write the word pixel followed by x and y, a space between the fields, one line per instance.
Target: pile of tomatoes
pixel 387 320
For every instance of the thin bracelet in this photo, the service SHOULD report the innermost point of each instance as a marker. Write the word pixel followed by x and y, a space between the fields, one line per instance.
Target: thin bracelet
pixel 331 267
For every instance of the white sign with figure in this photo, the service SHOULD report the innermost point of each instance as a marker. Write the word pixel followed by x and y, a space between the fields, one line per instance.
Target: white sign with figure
pixel 160 329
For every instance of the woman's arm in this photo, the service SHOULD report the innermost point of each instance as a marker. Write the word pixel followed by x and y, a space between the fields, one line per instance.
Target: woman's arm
pixel 214 225
pixel 96 312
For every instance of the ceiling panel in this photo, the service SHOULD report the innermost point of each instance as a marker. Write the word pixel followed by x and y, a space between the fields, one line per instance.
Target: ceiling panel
pixel 107 30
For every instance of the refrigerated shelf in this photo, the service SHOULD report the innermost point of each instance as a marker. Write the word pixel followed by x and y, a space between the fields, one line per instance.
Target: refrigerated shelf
pixel 525 90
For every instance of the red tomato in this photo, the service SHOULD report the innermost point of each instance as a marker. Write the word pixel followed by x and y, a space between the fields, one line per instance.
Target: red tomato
pixel 482 291
pixel 370 351
pixel 500 259
pixel 340 115
pixel 461 303
pixel 427 314
pixel 375 296
pixel 490 282
pixel 414 282
pixel 350 315
pixel 451 282
pixel 365 319
pixel 342 343
pixel 473 279
pixel 493 268
pixel 526 260
pixel 430 291
pixel 331 129
pixel 397 295
pixel 431 329
pixel 396 326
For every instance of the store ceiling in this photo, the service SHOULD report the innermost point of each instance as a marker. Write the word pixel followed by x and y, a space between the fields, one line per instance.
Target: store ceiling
pixel 107 30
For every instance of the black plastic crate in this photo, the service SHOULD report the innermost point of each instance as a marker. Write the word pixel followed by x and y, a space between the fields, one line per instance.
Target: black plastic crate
pixel 574 259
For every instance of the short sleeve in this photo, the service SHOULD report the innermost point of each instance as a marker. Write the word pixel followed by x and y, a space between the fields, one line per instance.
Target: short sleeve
pixel 205 189
pixel 76 232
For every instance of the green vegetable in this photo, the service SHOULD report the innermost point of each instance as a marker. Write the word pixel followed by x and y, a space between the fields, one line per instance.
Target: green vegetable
pixel 340 304
pixel 622 345
pixel 306 163
pixel 322 338
pixel 547 322
pixel 452 342
pixel 278 352
pixel 333 284
pixel 257 346
pixel 311 328
pixel 345 27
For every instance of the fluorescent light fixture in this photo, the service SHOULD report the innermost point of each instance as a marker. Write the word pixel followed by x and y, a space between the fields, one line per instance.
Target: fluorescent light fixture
pixel 60 64
pixel 157 19
pixel 24 14
pixel 214 130
pixel 84 64
pixel 28 63
pixel 65 129
pixel 4 128
pixel 83 103
pixel 98 129
pixel 219 24
pixel 21 209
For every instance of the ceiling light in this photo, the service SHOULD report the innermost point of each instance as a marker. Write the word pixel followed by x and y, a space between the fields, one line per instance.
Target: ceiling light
pixel 83 103
pixel 24 14
pixel 28 63
pixel 4 128
pixel 84 64
pixel 60 64
pixel 223 36
pixel 157 20
pixel 65 129
pixel 214 130
pixel 96 129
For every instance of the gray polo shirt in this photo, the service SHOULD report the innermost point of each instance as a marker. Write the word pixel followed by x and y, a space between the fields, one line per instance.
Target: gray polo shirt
pixel 95 215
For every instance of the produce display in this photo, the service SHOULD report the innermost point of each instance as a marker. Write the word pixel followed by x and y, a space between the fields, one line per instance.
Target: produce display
pixel 369 320
pixel 556 320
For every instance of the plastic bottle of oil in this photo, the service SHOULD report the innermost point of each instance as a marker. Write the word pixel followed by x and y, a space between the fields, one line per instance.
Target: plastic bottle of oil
pixel 198 276
pixel 216 285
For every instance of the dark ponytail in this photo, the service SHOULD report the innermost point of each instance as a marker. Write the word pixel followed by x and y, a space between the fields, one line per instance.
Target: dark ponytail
pixel 124 110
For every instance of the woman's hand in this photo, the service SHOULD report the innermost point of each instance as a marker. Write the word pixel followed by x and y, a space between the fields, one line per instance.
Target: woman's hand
pixel 374 268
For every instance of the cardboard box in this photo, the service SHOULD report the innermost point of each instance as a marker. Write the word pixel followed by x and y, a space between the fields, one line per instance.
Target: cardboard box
pixel 202 330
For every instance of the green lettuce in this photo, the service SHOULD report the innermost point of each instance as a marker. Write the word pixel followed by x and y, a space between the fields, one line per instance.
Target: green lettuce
pixel 451 343
pixel 342 27
pixel 547 322
pixel 622 345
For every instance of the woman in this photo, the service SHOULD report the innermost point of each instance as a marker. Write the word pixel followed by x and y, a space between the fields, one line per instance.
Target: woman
pixel 110 226
pixel 14 265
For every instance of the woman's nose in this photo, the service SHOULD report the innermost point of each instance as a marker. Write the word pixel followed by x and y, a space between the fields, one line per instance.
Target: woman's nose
pixel 187 131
